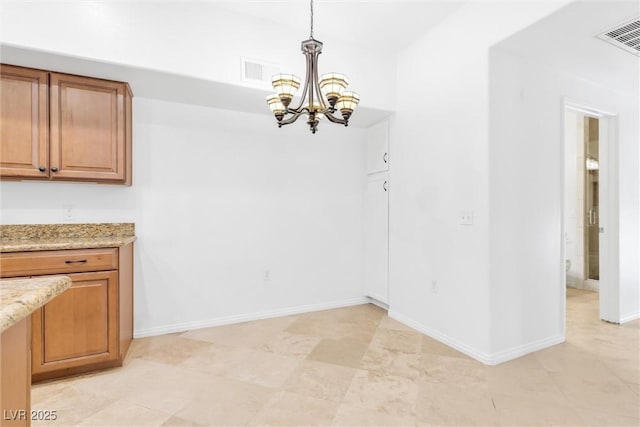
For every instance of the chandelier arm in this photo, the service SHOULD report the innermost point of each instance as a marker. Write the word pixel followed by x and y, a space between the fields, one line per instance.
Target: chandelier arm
pixel 335 119
pixel 293 118
pixel 299 108
pixel 316 84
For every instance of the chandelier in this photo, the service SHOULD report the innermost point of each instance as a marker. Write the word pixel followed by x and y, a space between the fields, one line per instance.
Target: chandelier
pixel 320 98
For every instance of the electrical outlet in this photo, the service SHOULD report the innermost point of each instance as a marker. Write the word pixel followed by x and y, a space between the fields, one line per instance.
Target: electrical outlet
pixel 434 286
pixel 466 218
pixel 68 213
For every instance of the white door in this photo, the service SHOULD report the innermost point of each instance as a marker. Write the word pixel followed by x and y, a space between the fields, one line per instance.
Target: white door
pixel 378 147
pixel 376 238
pixel 609 261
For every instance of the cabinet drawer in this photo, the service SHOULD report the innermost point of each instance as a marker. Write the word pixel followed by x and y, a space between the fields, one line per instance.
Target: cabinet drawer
pixel 53 262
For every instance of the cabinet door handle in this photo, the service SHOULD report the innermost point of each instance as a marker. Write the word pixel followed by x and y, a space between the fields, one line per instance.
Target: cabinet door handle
pixel 385 157
pixel 384 186
pixel 77 261
pixel 42 169
pixel 54 169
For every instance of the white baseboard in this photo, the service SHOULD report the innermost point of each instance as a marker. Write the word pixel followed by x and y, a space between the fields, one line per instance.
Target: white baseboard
pixel 239 318
pixel 487 359
pixel 438 336
pixel 519 351
pixel 379 303
pixel 629 318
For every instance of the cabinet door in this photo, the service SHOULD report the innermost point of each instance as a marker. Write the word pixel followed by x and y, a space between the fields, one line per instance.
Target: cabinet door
pixel 378 147
pixel 88 129
pixel 24 128
pixel 376 232
pixel 79 327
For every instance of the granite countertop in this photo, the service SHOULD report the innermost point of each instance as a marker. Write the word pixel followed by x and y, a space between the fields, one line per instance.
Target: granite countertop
pixel 21 297
pixel 43 237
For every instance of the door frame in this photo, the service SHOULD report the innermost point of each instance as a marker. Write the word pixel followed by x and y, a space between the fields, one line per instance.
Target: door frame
pixel 609 206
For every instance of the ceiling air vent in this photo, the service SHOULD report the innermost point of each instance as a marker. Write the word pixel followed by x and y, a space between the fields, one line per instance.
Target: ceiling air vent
pixel 625 36
pixel 258 72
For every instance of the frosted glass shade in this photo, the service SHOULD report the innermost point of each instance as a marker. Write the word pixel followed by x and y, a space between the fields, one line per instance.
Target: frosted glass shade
pixel 276 106
pixel 333 85
pixel 347 102
pixel 285 86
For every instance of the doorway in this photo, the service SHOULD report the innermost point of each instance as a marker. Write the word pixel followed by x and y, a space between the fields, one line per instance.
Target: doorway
pixel 590 208
pixel 589 169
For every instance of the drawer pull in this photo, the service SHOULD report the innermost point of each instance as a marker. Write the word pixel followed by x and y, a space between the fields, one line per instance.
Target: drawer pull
pixel 79 261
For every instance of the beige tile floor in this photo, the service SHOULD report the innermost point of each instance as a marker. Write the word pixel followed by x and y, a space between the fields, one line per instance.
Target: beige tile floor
pixel 356 367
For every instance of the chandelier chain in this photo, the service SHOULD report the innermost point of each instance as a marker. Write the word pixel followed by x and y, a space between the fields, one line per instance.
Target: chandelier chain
pixel 311 35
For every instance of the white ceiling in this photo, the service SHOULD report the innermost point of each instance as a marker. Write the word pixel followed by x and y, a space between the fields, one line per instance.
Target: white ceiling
pixel 565 40
pixel 378 24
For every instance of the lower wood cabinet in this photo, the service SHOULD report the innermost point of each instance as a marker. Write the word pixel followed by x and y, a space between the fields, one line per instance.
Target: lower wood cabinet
pixel 15 391
pixel 90 326
pixel 79 327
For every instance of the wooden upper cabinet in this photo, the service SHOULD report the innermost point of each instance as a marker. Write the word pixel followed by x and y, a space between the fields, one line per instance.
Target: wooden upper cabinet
pixel 24 126
pixel 64 127
pixel 89 129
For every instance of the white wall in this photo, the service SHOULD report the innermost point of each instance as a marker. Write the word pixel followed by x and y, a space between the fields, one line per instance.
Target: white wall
pixel 218 197
pixel 199 39
pixel 574 197
pixel 254 198
pixel 527 167
pixel 440 168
